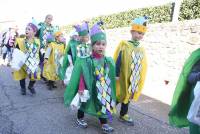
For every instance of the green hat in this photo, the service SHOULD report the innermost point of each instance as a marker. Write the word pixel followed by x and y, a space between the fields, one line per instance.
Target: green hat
pixel 96 34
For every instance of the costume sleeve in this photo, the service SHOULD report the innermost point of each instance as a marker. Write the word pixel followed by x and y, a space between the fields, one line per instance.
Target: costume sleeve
pixel 81 84
pixel 118 64
pixel 48 52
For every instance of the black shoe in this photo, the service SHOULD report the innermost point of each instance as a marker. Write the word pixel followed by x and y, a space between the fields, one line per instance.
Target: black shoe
pixel 23 91
pixel 44 79
pixel 32 90
pixel 50 87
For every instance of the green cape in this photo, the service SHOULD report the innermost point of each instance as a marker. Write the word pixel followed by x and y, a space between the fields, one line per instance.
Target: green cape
pixel 181 100
pixel 71 45
pixel 85 66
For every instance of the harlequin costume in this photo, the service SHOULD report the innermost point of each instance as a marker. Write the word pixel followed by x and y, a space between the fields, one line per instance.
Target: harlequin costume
pixel 97 75
pixel 53 53
pixel 184 94
pixel 30 68
pixel 131 65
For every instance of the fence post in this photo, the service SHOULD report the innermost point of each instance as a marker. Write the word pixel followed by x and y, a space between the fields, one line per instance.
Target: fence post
pixel 175 10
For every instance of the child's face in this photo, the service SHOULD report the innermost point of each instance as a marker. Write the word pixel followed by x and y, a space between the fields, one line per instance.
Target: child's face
pixel 137 35
pixel 99 47
pixel 84 39
pixel 59 38
pixel 29 32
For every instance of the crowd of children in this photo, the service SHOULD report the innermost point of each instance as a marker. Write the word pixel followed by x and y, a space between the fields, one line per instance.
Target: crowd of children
pixel 97 83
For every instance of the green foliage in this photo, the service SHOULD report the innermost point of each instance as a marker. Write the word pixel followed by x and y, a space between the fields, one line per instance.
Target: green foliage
pixel 123 19
pixel 190 9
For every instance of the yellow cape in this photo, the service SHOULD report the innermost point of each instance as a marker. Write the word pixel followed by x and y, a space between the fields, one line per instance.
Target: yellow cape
pixel 50 67
pixel 123 83
pixel 21 74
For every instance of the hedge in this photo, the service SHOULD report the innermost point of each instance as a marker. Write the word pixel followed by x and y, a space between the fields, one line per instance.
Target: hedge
pixel 190 9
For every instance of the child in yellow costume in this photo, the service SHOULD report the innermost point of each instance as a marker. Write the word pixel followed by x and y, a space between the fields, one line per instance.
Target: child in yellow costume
pixel 130 59
pixel 51 63
pixel 30 46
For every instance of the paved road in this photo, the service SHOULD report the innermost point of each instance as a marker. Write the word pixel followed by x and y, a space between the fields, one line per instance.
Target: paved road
pixel 45 113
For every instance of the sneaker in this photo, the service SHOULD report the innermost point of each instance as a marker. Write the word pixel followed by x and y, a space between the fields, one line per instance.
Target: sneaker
pixel 127 120
pixel 107 129
pixel 50 86
pixel 23 91
pixel 82 123
pixel 32 90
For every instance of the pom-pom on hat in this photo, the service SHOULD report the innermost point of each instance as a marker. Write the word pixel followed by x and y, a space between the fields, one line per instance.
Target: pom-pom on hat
pixel 96 33
pixel 139 24
pixel 82 29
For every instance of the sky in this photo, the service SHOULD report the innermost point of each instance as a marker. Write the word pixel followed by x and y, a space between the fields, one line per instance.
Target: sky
pixel 20 12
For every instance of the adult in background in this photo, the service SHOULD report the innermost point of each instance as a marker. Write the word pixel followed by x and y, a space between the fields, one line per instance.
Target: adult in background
pixel 46 28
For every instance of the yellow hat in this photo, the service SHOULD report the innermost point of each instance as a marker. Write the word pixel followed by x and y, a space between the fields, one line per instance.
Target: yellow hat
pixel 58 33
pixel 138 24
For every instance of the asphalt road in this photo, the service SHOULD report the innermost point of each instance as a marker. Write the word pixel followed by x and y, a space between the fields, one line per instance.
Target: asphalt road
pixel 45 113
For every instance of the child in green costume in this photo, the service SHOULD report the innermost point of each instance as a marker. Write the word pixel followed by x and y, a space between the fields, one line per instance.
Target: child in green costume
pixel 96 74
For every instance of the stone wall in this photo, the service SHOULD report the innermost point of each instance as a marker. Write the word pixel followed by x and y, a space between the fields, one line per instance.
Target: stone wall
pixel 167 47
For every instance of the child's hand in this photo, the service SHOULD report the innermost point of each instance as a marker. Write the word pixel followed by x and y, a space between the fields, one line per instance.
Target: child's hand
pixel 70 64
pixel 45 61
pixel 117 78
pixel 80 92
